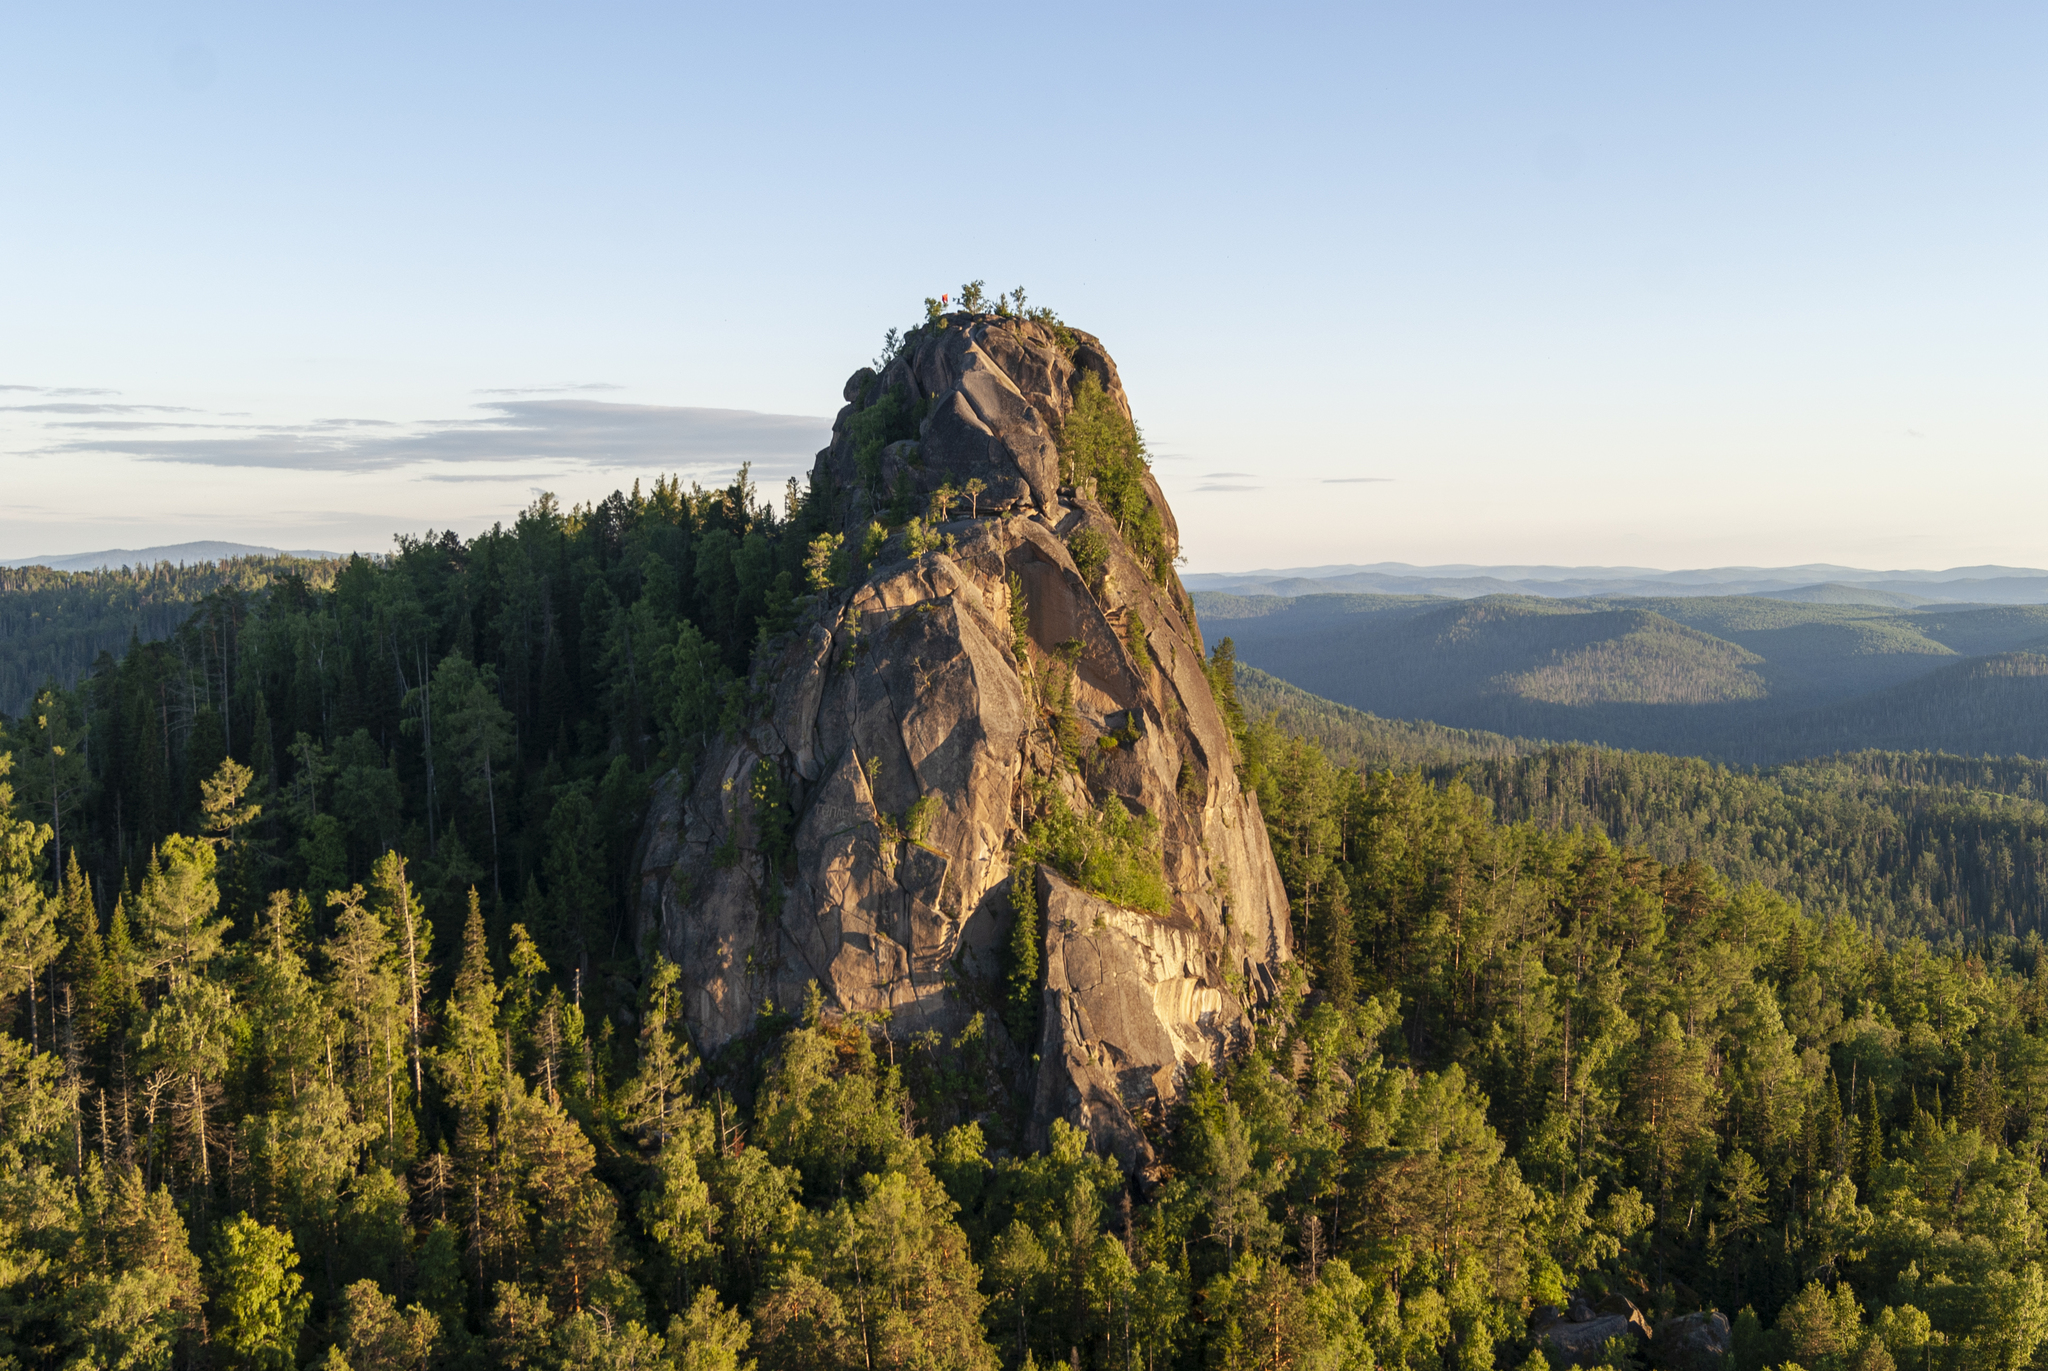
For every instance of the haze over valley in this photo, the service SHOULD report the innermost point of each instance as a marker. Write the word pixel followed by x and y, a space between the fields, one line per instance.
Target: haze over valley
pixel 1819 583
pixel 1738 678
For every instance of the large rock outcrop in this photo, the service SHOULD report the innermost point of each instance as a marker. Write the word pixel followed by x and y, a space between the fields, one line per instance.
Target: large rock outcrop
pixel 1694 1342
pixel 906 734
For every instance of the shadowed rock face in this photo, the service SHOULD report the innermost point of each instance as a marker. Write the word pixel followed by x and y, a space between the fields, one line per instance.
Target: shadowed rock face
pixel 1694 1342
pixel 912 688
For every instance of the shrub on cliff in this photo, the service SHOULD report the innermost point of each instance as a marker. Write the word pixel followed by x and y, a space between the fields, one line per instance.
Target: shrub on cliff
pixel 1099 444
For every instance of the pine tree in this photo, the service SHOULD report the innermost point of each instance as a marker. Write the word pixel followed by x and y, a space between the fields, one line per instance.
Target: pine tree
pixel 80 966
pixel 286 1017
pixel 377 1337
pixel 1980 1102
pixel 117 998
pixel 467 1063
pixel 477 732
pixel 186 1046
pixel 260 1301
pixel 662 1083
pixel 140 1286
pixel 366 991
pixel 1834 1135
pixel 229 816
pixel 177 933
pixel 398 905
pixel 29 940
pixel 676 1209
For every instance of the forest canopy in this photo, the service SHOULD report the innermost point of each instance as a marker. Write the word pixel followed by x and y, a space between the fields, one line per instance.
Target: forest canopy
pixel 1943 846
pixel 327 1042
pixel 55 624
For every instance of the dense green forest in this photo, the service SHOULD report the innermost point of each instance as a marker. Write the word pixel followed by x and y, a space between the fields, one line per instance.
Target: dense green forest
pixel 55 624
pixel 491 707
pixel 1738 678
pixel 1911 843
pixel 327 1043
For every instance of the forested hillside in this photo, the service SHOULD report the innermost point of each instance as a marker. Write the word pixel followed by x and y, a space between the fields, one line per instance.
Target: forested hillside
pixel 492 708
pixel 1741 678
pixel 55 624
pixel 254 1125
pixel 1909 843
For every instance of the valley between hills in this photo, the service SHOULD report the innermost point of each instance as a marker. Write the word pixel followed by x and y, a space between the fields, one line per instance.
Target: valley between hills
pixel 1735 678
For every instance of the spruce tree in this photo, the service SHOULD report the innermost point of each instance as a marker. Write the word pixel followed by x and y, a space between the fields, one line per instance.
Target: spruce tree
pixel 80 966
pixel 1870 1142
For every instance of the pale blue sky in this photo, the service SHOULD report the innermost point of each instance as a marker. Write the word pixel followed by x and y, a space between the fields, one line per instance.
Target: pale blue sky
pixel 1649 284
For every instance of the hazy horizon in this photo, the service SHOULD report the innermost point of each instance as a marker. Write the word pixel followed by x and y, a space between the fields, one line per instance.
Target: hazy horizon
pixel 215 549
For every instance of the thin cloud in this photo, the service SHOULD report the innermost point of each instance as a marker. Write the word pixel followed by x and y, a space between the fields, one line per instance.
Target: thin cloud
pixel 73 407
pixel 589 433
pixel 130 425
pixel 62 390
pixel 1356 480
pixel 504 477
pixel 1232 475
pixel 1219 486
pixel 552 390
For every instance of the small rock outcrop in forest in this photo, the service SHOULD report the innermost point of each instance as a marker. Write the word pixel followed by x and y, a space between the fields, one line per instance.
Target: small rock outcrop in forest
pixel 986 772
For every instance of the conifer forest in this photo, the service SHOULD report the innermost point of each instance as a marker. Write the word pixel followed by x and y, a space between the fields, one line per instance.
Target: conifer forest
pixel 330 1039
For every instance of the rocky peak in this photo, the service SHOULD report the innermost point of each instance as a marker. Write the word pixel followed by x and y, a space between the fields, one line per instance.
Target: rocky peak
pixel 991 745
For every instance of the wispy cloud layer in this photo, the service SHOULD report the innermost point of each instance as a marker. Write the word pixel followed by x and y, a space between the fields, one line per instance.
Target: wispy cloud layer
pixel 591 433
pixel 79 407
pixel 566 388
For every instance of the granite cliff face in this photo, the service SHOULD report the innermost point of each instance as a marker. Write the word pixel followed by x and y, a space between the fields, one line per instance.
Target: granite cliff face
pixel 863 833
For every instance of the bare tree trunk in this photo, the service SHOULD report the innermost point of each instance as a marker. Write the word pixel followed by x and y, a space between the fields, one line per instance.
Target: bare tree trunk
pixel 71 1080
pixel 29 971
pixel 427 735
pixel 227 707
pixel 127 1115
pixel 56 809
pixel 152 1090
pixel 412 973
pixel 491 804
pixel 426 726
pixel 199 1130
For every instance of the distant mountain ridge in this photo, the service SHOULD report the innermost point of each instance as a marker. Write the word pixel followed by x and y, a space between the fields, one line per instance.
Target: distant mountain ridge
pixel 1816 581
pixel 177 554
pixel 1738 678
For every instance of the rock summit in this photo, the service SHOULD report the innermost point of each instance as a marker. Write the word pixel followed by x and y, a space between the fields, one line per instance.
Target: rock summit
pixel 1017 659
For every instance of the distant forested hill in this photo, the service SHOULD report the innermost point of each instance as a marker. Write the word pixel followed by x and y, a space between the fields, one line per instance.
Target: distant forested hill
pixel 54 624
pixel 1740 678
pixel 1353 738
pixel 1907 842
